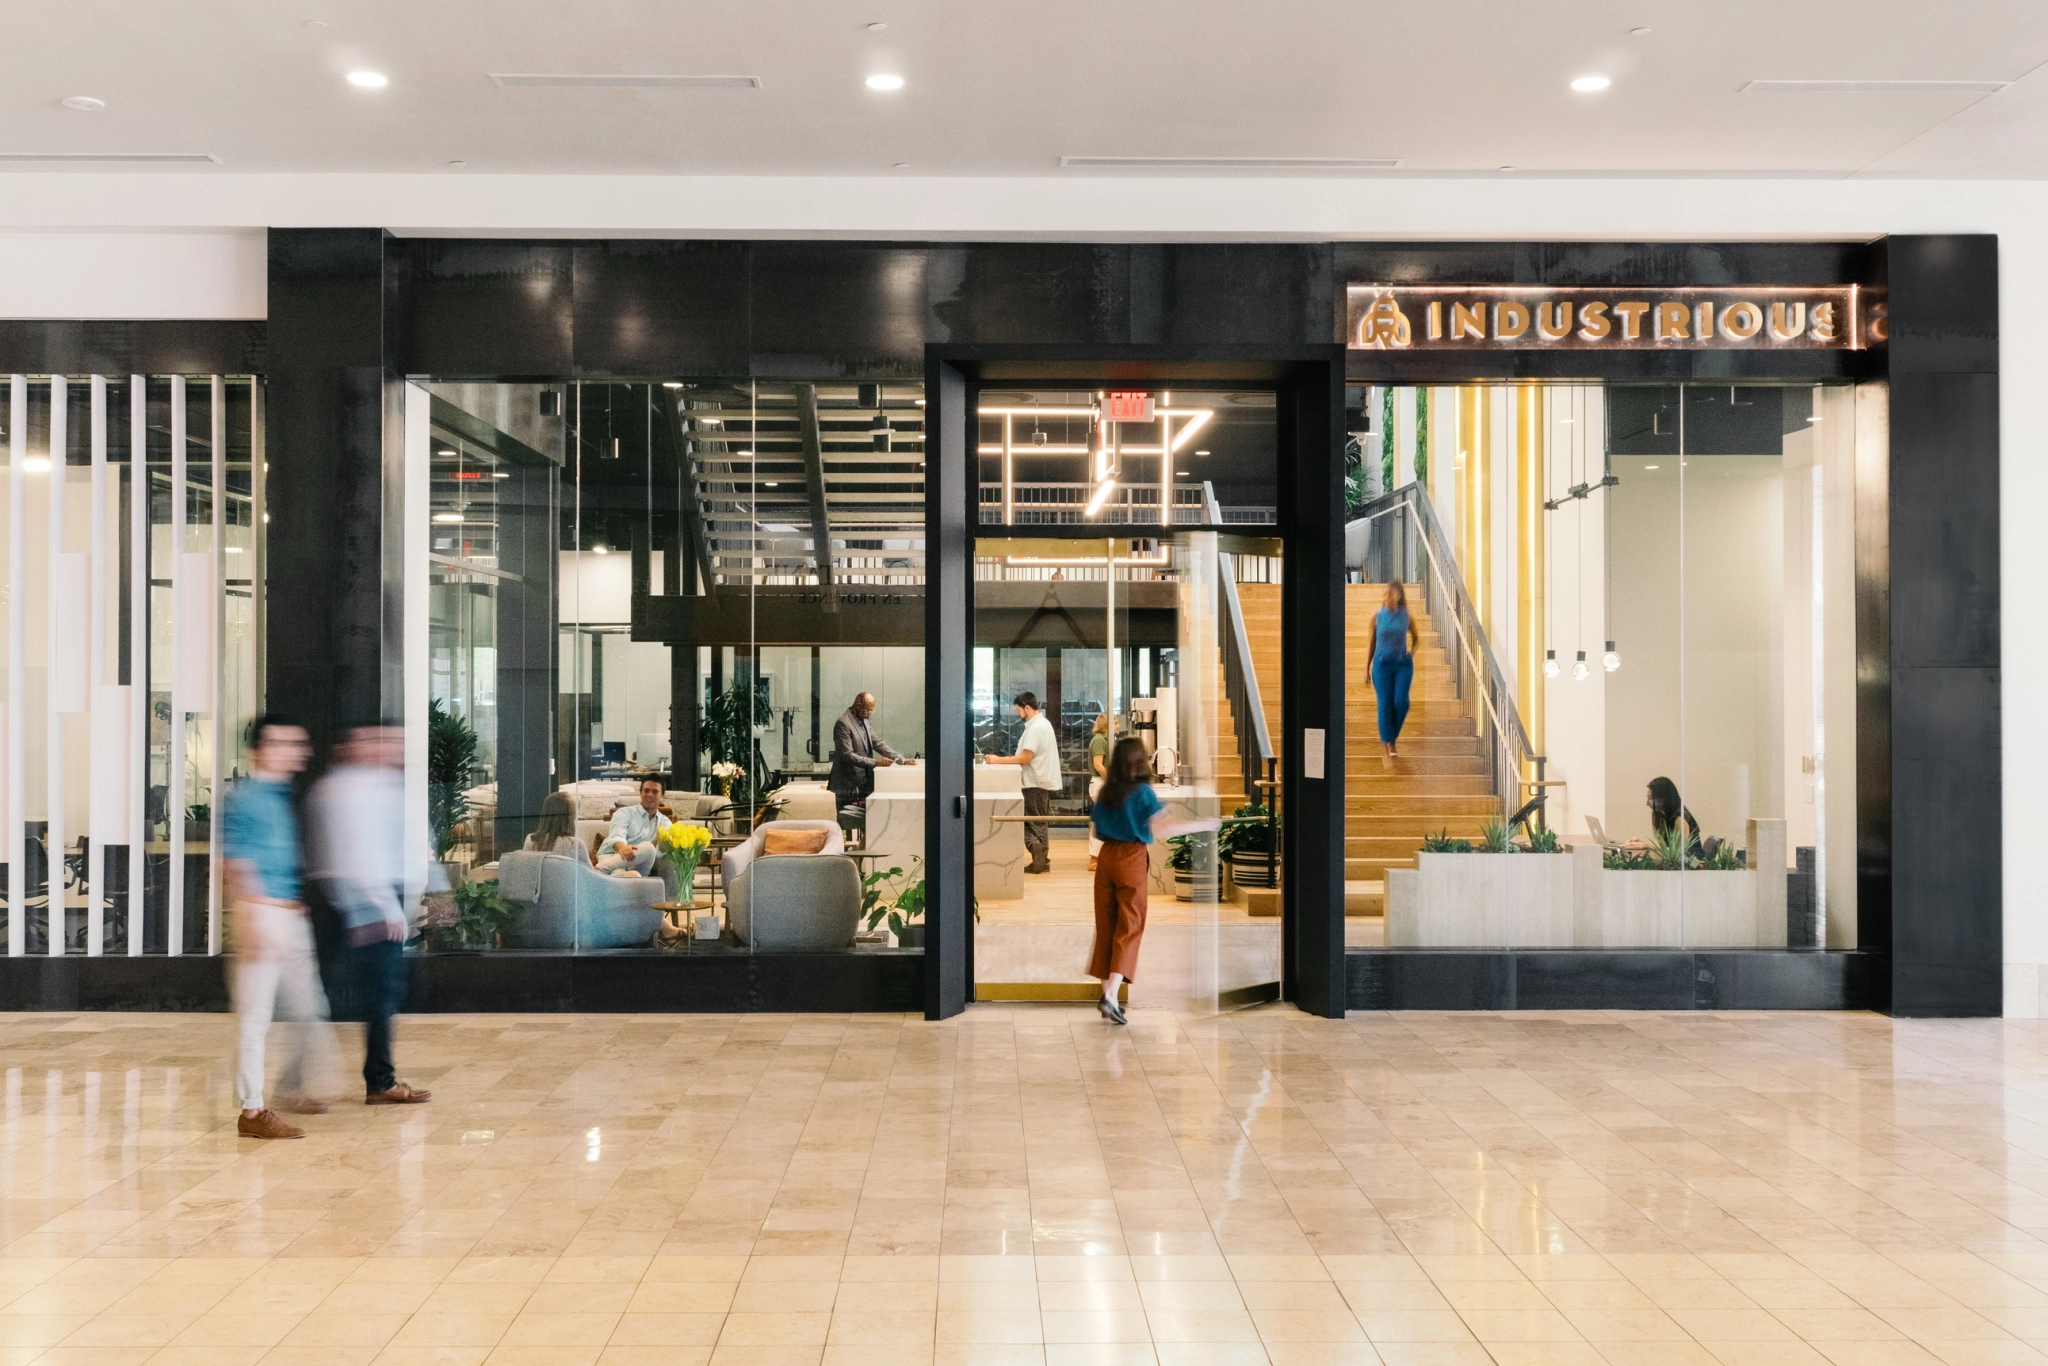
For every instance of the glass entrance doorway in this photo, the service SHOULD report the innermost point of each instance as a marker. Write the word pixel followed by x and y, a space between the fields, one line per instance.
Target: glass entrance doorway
pixel 1111 602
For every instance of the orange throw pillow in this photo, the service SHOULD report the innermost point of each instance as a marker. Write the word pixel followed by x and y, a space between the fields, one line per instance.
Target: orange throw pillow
pixel 794 841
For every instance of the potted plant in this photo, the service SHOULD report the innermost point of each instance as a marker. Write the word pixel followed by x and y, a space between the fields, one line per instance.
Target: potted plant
pixel 451 761
pixel 1249 843
pixel 479 916
pixel 903 912
pixel 1180 859
pixel 198 822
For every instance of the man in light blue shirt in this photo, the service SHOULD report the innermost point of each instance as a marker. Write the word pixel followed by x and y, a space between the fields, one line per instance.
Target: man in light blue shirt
pixel 629 844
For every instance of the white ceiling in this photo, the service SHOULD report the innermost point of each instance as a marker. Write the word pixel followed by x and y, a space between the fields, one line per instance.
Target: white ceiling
pixel 1450 87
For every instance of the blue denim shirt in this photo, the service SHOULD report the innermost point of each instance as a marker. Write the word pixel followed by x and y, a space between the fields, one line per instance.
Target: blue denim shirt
pixel 257 824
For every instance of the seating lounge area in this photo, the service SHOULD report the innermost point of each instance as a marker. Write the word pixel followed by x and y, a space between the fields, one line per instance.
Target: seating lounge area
pixel 780 883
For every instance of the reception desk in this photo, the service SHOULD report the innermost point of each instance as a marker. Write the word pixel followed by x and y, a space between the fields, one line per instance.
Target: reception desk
pixel 895 825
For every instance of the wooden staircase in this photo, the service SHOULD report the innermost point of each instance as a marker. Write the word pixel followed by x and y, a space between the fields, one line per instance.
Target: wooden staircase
pixel 1442 781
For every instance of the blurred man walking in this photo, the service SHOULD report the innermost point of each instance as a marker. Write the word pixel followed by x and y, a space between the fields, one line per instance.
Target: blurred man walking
pixel 357 819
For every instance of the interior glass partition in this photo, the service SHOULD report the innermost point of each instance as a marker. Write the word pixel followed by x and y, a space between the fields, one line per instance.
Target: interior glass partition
pixel 1634 633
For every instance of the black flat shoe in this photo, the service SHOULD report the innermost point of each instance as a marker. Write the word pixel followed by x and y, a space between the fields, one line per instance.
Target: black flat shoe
pixel 1111 1011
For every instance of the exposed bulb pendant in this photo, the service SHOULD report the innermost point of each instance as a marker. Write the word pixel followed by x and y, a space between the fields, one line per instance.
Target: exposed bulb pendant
pixel 1550 664
pixel 1579 670
pixel 1610 661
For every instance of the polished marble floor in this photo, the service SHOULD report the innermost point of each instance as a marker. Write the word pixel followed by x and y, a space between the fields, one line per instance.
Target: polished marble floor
pixel 1029 1186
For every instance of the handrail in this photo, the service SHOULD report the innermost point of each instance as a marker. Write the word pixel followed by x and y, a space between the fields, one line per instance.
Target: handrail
pixel 1445 580
pixel 1241 681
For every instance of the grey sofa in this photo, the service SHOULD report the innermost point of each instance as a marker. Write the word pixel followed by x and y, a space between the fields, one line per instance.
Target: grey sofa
pixel 560 902
pixel 792 902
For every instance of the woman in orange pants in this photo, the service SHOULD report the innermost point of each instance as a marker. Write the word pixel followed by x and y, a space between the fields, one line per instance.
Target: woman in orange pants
pixel 1128 817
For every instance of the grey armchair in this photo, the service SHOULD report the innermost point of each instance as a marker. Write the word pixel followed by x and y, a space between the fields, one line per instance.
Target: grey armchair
pixel 792 902
pixel 558 901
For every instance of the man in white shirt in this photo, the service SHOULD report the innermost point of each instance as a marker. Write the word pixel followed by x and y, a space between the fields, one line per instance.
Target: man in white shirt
pixel 1038 754
pixel 629 844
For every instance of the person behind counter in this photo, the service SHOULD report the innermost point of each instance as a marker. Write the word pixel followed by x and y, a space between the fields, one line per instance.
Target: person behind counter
pixel 857 752
pixel 1665 811
pixel 1038 754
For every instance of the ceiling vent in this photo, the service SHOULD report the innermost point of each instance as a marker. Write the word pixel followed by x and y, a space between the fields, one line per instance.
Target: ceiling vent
pixel 1237 163
pixel 577 81
pixel 1875 87
pixel 132 158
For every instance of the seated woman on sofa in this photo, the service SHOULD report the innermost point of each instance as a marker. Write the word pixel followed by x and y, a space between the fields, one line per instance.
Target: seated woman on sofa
pixel 556 833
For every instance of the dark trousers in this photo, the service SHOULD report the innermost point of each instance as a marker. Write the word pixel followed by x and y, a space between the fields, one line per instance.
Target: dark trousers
pixel 377 972
pixel 1037 802
pixel 1390 680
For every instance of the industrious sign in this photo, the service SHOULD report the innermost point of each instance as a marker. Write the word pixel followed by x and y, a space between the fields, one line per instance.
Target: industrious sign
pixel 1518 318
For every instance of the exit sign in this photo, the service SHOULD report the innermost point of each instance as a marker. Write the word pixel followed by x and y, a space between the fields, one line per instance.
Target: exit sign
pixel 1127 406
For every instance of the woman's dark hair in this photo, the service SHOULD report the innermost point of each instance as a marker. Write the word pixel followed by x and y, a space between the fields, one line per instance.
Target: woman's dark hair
pixel 1129 765
pixel 1666 808
pixel 1398 593
pixel 557 821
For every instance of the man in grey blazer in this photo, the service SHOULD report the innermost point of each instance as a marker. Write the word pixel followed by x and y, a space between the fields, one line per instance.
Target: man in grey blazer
pixel 857 752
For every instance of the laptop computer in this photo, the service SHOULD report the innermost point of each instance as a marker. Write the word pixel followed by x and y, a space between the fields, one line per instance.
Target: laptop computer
pixel 1593 828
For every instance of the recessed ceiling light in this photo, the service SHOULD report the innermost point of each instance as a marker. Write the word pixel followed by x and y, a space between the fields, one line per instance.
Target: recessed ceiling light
pixel 1201 452
pixel 1639 33
pixel 84 104
pixel 448 517
pixel 876 28
pixel 769 484
pixel 671 384
pixel 884 81
pixel 369 80
pixel 1586 85
pixel 1649 467
pixel 501 474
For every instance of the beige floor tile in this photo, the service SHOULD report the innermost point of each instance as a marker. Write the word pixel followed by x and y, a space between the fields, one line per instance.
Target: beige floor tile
pixel 1413 1325
pixel 775 1330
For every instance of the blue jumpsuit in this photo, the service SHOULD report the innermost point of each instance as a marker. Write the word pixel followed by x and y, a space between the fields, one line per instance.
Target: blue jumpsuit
pixel 1393 669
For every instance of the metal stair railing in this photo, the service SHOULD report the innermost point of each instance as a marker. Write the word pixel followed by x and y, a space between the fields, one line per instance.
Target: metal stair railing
pixel 1241 684
pixel 1405 541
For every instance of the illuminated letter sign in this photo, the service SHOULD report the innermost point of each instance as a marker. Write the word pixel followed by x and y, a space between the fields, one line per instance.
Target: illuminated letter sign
pixel 1127 406
pixel 1542 318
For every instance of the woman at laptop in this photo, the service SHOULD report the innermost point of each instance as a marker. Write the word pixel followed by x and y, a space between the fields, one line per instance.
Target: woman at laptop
pixel 1666 810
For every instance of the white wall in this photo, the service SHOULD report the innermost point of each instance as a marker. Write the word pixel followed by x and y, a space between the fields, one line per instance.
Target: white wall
pixel 83 206
pixel 148 274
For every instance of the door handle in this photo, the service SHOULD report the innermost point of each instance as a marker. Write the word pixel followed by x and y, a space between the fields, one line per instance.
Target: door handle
pixel 959 807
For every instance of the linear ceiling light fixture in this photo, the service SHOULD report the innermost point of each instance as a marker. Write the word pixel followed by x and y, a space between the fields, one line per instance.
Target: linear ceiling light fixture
pixel 1874 87
pixel 1237 163
pixel 577 81
pixel 203 157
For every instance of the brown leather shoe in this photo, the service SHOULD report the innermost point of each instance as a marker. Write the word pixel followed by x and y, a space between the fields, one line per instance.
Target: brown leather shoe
pixel 265 1124
pixel 399 1094
pixel 306 1105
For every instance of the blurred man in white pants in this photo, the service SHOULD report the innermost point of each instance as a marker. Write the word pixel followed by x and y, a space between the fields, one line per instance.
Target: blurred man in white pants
pixel 275 971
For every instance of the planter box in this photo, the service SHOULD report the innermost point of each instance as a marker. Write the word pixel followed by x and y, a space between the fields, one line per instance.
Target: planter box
pixel 1694 909
pixel 1481 901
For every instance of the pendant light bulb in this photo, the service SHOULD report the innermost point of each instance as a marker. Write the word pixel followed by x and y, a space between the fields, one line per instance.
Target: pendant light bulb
pixel 1579 670
pixel 1610 661
pixel 1550 663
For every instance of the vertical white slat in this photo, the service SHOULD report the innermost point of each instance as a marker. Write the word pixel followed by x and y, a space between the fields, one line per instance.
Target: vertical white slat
pixel 53 671
pixel 138 655
pixel 17 666
pixel 221 738
pixel 174 792
pixel 96 662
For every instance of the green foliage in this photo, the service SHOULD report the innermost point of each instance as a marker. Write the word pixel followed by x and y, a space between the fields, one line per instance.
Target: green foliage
pixel 1181 854
pixel 1629 860
pixel 201 812
pixel 1387 438
pixel 1442 843
pixel 1422 436
pixel 1248 831
pixel 1673 849
pixel 727 733
pixel 451 760
pixel 1725 860
pixel 875 901
pixel 1354 473
pixel 479 916
pixel 1542 840
pixel 1497 837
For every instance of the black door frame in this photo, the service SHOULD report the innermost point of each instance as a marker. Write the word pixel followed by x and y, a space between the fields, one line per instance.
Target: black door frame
pixel 1309 385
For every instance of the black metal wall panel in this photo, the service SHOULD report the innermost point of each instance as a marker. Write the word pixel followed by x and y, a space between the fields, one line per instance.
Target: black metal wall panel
pixel 951 485
pixel 653 309
pixel 1947 786
pixel 75 347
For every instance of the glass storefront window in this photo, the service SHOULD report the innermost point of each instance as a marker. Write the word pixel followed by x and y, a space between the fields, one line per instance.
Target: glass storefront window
pixel 1634 633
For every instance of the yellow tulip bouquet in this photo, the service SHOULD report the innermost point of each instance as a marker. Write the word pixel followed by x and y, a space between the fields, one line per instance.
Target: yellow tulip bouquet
pixel 683 846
